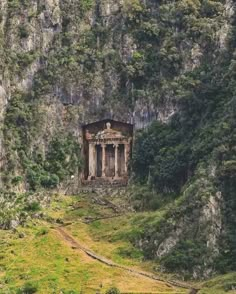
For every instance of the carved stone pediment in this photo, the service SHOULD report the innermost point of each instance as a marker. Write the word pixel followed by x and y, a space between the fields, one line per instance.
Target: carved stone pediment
pixel 107 133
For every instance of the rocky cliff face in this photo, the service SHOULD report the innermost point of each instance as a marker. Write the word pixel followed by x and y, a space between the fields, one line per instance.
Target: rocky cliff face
pixel 93 51
pixel 74 62
pixel 187 239
pixel 66 63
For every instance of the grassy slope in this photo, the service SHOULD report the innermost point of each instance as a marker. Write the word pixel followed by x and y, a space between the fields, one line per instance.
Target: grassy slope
pixel 45 260
pixel 48 262
pixel 220 284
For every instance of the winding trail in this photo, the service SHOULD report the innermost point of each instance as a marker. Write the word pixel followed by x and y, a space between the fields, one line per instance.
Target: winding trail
pixel 75 245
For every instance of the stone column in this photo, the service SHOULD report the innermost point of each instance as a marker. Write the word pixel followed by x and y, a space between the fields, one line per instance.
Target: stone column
pixel 126 159
pixel 92 160
pixel 126 153
pixel 116 160
pixel 103 159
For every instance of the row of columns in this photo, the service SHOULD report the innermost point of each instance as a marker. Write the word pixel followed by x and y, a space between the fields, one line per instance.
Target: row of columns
pixel 93 159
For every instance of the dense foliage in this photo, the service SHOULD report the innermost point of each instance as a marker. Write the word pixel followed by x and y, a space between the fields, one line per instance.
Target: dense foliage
pixel 60 159
pixel 171 158
pixel 16 208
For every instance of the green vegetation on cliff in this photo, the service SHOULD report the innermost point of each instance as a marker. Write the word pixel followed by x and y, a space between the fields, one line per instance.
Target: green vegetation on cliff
pixel 22 127
pixel 195 151
pixel 65 63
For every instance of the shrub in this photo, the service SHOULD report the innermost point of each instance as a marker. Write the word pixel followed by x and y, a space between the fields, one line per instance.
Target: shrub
pixel 33 178
pixel 16 180
pixel 23 32
pixel 49 181
pixel 113 290
pixel 130 253
pixel 33 206
pixel 28 288
pixel 42 232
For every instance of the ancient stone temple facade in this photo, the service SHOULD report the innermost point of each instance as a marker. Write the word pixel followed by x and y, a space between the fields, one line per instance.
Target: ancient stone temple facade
pixel 107 147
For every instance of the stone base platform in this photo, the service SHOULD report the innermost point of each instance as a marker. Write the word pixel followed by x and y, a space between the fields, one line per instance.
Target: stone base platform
pixel 105 182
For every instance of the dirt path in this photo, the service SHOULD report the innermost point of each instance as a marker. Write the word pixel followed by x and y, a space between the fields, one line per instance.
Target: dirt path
pixel 75 245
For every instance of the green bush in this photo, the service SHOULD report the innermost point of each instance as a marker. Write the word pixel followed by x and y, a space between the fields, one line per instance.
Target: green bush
pixel 113 290
pixel 13 4
pixel 85 5
pixel 16 180
pixel 130 253
pixel 33 178
pixel 33 206
pixel 42 232
pixel 23 32
pixel 28 288
pixel 24 59
pixel 49 181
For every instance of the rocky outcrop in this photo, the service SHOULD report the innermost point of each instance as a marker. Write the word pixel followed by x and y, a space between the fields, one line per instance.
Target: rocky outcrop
pixel 197 220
